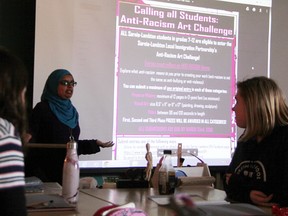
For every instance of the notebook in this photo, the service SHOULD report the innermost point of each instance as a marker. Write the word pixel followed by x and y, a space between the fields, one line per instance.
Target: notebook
pixel 47 202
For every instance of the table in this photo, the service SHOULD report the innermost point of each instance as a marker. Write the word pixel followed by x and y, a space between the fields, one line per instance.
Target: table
pixel 140 196
pixel 90 200
pixel 87 207
pixel 87 204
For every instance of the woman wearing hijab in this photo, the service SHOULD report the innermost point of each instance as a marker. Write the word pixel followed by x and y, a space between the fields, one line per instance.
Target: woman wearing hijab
pixel 56 120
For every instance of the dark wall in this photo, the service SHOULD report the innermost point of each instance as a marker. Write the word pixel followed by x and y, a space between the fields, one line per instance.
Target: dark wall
pixel 17 33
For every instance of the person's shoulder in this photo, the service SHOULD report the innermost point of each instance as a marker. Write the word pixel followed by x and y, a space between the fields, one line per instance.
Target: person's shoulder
pixel 282 129
pixel 42 105
pixel 5 123
pixel 280 138
pixel 280 133
pixel 6 127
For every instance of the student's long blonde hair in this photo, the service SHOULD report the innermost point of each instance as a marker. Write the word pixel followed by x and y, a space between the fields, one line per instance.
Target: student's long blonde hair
pixel 265 106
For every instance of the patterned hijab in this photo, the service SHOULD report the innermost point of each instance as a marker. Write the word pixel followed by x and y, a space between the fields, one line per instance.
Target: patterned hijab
pixel 62 108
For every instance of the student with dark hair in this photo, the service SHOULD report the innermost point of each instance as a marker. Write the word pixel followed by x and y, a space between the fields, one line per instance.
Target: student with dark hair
pixel 13 82
pixel 258 172
pixel 55 120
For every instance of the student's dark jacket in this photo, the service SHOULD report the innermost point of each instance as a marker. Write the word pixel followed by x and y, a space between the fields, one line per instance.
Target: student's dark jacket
pixel 260 166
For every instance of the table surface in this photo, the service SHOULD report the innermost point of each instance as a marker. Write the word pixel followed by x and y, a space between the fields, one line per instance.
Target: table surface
pixel 90 200
pixel 140 196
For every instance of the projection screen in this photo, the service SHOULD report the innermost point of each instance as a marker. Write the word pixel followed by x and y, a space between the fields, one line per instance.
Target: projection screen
pixel 159 72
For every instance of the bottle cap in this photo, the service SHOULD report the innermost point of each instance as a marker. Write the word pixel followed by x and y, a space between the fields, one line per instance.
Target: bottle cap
pixel 72 144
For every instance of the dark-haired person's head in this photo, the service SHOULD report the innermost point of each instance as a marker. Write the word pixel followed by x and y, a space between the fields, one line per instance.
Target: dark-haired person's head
pixel 13 83
pixel 59 86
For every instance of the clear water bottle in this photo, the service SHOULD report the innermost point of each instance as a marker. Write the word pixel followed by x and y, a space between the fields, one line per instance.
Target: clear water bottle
pixel 167 177
pixel 71 173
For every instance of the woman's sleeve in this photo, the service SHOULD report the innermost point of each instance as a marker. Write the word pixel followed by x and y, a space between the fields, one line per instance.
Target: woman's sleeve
pixel 88 147
pixel 237 189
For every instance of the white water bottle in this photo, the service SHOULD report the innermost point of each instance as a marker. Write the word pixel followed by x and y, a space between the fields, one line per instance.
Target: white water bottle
pixel 71 173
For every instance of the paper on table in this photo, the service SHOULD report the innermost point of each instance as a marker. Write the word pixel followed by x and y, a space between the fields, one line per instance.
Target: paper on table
pixel 164 199
pixel 47 202
pixel 161 199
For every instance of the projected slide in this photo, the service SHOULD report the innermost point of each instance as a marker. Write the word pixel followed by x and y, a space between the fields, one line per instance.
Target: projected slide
pixel 161 72
pixel 175 78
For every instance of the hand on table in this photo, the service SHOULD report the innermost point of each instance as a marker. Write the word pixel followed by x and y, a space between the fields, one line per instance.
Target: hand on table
pixel 261 199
